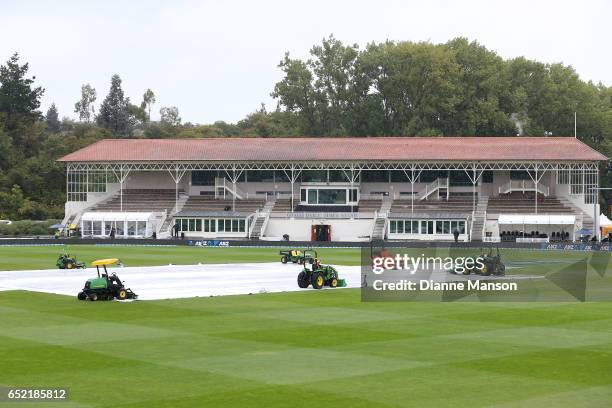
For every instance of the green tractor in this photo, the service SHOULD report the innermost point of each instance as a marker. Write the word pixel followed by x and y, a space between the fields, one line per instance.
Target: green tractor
pixel 316 274
pixel 492 266
pixel 296 256
pixel 66 261
pixel 105 286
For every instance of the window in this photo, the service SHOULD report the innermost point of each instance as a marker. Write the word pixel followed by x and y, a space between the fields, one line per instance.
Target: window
pixel 96 182
pixel 332 196
pixel 303 193
pixel 313 197
pixel 392 227
pixel 427 227
pixel 353 198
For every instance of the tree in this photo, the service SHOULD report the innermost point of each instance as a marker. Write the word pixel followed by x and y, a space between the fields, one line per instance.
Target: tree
pixel 170 116
pixel 115 111
pixel 85 106
pixel 148 99
pixel 52 119
pixel 18 99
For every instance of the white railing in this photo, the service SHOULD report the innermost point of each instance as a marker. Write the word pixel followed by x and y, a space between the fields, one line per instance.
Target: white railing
pixel 162 221
pixel 221 182
pixel 432 187
pixel 523 185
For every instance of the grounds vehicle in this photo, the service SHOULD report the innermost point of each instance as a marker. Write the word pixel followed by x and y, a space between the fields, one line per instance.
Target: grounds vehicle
pixel 318 275
pixel 296 256
pixel 105 286
pixel 66 261
pixel 492 266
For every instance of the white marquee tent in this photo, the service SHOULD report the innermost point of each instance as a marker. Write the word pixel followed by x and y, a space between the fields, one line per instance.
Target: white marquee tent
pixel 122 224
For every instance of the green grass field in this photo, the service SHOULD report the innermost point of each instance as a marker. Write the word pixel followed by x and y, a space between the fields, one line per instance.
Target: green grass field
pixel 44 257
pixel 304 349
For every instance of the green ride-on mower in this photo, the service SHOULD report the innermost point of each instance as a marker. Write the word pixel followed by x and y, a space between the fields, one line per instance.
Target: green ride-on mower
pixel 296 256
pixel 318 275
pixel 492 266
pixel 105 286
pixel 66 261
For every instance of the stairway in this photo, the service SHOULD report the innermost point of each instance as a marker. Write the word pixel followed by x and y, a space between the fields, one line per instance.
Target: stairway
pixel 378 230
pixel 165 231
pixel 480 216
pixel 261 219
pixel 583 219
pixel 440 184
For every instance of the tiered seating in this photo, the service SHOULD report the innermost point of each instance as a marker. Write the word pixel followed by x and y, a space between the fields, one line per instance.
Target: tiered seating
pixel 518 203
pixel 204 203
pixel 369 205
pixel 149 200
pixel 282 205
pixel 452 205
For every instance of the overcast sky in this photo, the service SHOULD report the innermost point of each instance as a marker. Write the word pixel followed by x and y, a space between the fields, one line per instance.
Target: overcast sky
pixel 217 60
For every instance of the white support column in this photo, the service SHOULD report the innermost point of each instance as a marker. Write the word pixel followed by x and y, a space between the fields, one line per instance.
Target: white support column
pixel 292 175
pixel 177 175
pixel 536 181
pixel 474 177
pixel 412 178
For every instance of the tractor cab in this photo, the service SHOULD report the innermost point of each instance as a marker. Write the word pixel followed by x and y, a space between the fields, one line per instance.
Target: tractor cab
pixel 105 286
pixel 318 275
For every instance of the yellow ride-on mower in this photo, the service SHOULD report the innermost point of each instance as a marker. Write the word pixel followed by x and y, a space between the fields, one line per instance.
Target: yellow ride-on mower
pixel 105 286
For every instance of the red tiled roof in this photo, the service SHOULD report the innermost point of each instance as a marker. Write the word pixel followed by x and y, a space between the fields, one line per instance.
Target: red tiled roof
pixel 338 149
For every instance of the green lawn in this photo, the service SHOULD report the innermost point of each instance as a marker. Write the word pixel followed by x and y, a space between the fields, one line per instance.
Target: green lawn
pixel 44 257
pixel 308 349
pixel 302 349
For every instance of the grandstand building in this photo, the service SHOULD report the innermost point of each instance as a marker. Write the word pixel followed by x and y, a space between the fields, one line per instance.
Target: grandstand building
pixel 336 189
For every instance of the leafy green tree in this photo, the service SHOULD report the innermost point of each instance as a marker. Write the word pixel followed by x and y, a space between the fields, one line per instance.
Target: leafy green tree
pixel 115 113
pixel 170 116
pixel 85 106
pixel 52 119
pixel 19 100
pixel 148 100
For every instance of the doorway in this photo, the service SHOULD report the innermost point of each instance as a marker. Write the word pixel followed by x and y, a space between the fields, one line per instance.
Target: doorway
pixel 320 233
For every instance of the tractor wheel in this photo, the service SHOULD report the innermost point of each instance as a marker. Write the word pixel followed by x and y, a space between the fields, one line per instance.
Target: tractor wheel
pixel 333 283
pixel 81 296
pixel 302 280
pixel 284 259
pixel 121 294
pixel 93 297
pixel 317 280
pixel 69 265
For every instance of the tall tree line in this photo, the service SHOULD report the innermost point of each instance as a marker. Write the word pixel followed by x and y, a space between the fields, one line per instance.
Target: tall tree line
pixel 384 89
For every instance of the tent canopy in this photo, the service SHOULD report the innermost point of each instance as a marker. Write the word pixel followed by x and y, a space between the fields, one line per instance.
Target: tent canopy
pixel 533 219
pixel 604 221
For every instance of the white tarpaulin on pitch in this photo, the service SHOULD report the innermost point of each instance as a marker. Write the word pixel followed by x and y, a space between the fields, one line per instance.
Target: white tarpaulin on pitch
pixel 533 219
